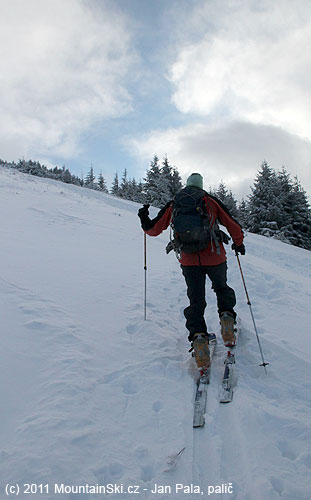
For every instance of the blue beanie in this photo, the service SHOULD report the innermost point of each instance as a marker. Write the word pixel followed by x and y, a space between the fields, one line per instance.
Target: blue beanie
pixel 195 180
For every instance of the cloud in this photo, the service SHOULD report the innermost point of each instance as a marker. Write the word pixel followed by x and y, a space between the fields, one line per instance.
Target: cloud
pixel 232 152
pixel 64 67
pixel 241 80
pixel 252 63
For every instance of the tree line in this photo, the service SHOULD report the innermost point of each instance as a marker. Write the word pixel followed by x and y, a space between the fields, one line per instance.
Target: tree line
pixel 277 206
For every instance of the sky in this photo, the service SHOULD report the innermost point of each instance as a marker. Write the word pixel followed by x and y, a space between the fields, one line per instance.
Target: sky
pixel 216 85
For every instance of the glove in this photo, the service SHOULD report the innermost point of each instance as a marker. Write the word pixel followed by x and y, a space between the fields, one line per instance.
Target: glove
pixel 143 212
pixel 238 248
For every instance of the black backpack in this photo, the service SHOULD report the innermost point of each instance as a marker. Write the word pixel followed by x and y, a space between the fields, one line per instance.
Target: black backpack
pixel 191 224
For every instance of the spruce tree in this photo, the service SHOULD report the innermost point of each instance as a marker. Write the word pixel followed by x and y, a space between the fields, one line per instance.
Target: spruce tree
pixel 227 198
pixel 66 176
pixel 90 178
pixel 296 222
pixel 152 182
pixel 135 191
pixel 279 207
pixel 124 187
pixel 243 214
pixel 115 185
pixel 166 178
pixel 163 188
pixel 102 186
pixel 161 182
pixel 265 206
pixel 221 192
pixel 140 195
pixel 302 220
pixel 175 182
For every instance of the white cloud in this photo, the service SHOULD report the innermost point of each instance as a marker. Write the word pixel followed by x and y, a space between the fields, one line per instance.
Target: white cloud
pixel 232 152
pixel 63 68
pixel 241 77
pixel 252 64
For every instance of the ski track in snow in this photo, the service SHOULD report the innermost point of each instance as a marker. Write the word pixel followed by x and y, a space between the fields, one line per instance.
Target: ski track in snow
pixel 92 393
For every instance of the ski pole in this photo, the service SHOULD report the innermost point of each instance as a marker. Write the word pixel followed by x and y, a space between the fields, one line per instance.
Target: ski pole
pixel 145 268
pixel 264 364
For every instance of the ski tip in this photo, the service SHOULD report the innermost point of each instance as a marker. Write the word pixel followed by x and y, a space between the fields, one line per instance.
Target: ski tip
pixel 225 396
pixel 198 426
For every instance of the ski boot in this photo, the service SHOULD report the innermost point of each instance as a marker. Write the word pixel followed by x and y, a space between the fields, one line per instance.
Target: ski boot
pixel 201 350
pixel 227 322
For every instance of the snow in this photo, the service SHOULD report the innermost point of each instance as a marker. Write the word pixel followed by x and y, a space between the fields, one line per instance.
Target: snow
pixel 91 394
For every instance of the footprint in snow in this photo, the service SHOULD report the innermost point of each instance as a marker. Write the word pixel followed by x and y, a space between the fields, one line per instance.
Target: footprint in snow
pixel 145 462
pixel 129 386
pixel 109 473
pixel 37 325
pixel 277 484
pixel 157 406
pixel 131 329
pixel 287 451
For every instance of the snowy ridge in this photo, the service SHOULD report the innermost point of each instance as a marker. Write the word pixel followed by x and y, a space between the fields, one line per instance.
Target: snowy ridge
pixel 92 393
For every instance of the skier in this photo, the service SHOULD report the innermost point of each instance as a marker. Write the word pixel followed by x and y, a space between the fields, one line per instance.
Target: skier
pixel 205 255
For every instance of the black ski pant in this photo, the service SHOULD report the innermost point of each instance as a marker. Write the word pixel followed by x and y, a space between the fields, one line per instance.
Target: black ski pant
pixel 195 280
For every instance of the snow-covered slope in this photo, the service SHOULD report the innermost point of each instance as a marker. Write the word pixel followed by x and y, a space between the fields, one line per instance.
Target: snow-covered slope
pixel 93 394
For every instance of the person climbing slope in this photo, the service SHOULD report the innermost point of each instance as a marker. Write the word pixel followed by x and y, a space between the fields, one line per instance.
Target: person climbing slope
pixel 198 242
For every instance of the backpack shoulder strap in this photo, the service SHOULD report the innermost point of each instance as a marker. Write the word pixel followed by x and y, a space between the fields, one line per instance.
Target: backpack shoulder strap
pixel 188 196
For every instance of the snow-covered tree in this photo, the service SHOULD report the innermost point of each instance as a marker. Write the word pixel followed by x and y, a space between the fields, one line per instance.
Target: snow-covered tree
pixel 152 182
pixel 135 191
pixel 302 217
pixel 171 178
pixel 161 182
pixel 66 175
pixel 115 185
pixel 124 191
pixel 265 206
pixel 227 198
pixel 243 213
pixel 279 207
pixel 165 181
pixel 176 182
pixel 90 178
pixel 101 183
pixel 36 168
pixel 295 227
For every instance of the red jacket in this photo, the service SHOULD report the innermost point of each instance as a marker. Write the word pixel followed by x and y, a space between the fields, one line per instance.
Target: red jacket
pixel 208 256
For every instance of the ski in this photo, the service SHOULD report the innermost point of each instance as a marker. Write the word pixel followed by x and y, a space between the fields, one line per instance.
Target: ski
pixel 226 391
pixel 201 388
